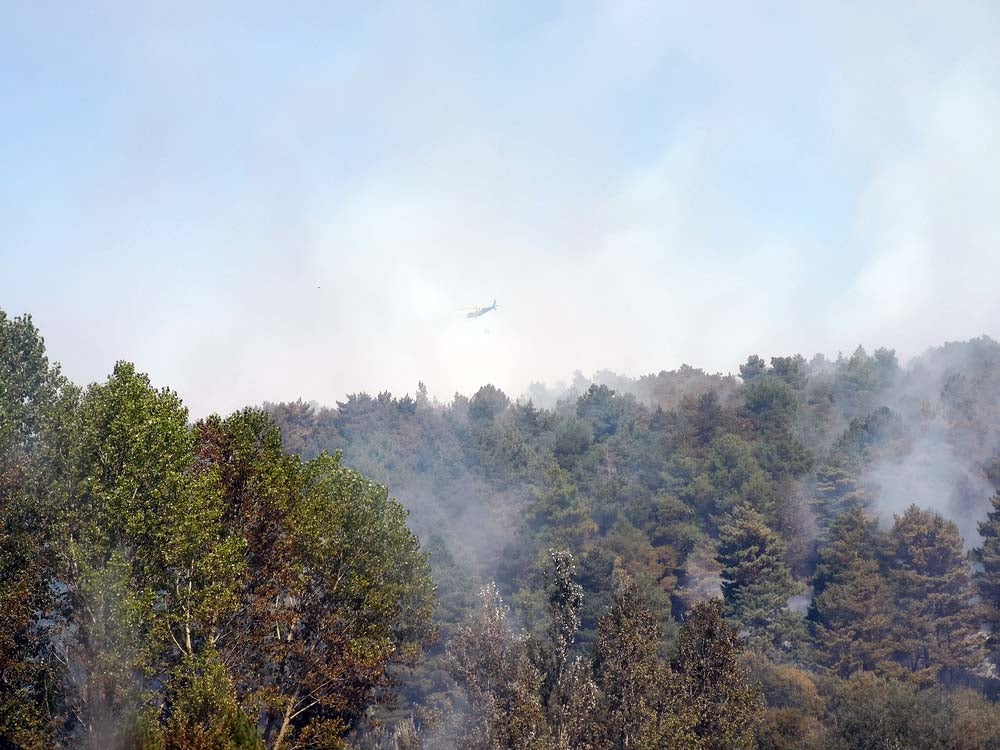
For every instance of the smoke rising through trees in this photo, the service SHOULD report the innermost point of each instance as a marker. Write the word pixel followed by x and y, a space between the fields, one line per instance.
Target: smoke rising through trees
pixel 778 559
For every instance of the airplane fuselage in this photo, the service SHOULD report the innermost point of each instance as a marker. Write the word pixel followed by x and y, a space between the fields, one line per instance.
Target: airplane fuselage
pixel 480 311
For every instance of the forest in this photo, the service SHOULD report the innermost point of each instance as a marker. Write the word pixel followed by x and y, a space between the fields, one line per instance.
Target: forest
pixel 803 554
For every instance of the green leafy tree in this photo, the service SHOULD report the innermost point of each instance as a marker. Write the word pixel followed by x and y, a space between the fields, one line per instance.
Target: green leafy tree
pixel 873 713
pixel 704 419
pixel 598 407
pixel 772 405
pixel 731 476
pixel 28 383
pixel 753 369
pixel 790 370
pixel 489 660
pixel 129 478
pixel 567 692
pixel 204 713
pixel 30 388
pixel 345 593
pixel 715 683
pixel 572 438
pixel 640 704
pixel 560 512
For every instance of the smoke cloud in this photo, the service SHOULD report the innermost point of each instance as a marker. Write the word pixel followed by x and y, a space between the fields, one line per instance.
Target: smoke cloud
pixel 256 205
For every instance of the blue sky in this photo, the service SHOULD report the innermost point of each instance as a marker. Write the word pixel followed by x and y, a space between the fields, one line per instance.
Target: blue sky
pixel 270 201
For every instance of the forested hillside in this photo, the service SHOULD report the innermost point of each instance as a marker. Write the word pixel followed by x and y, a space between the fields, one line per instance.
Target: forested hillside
pixel 836 507
pixel 806 555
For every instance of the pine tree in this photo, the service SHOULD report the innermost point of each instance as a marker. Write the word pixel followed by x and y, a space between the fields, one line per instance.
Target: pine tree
pixel 936 627
pixel 853 536
pixel 853 604
pixel 987 579
pixel 756 581
pixel 560 510
pixel 839 490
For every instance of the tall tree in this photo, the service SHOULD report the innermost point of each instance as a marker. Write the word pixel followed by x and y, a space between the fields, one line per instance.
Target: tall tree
pixel 731 476
pixel 129 483
pixel 853 604
pixel 839 489
pixel 987 578
pixel 640 704
pixel 936 632
pixel 552 655
pixel 487 403
pixel 715 683
pixel 568 694
pixel 560 511
pixel 337 588
pixel 756 581
pixel 772 406
pixel 30 388
pixel 489 660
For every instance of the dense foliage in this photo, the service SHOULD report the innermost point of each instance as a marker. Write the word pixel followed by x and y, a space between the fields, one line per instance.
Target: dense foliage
pixel 803 556
pixel 830 505
pixel 168 585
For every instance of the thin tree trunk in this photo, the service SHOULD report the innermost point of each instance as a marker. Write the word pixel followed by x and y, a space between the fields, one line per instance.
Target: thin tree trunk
pixel 286 722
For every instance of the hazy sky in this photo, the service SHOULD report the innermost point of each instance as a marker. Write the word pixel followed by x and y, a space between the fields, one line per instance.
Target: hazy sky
pixel 292 200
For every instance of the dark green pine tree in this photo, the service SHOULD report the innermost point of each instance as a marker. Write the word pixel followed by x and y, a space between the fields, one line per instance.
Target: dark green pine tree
pixel 987 579
pixel 853 604
pixel 838 490
pixel 936 631
pixel 756 581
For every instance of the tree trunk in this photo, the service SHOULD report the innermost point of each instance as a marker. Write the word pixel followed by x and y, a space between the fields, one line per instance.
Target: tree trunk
pixel 286 722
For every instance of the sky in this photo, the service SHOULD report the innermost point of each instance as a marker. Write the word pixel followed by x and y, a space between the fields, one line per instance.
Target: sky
pixel 271 201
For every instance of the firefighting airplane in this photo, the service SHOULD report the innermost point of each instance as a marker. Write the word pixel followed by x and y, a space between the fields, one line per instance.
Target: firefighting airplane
pixel 480 311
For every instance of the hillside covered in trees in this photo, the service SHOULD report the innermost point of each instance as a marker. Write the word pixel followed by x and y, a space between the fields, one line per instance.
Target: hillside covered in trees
pixel 806 555
pixel 840 510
